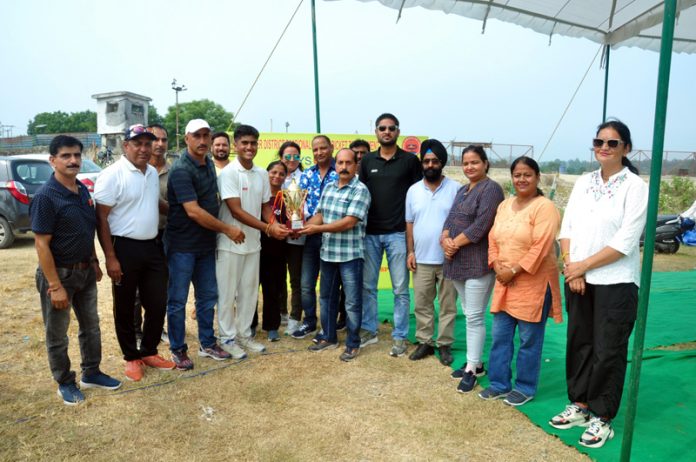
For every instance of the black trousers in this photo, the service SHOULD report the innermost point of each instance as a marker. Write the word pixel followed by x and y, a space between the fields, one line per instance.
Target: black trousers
pixel 274 289
pixel 294 258
pixel 599 325
pixel 144 270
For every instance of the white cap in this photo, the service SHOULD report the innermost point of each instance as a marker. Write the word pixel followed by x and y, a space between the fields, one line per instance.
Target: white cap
pixel 196 124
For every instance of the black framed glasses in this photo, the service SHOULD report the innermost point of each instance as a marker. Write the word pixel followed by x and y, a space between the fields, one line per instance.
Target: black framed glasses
pixel 613 144
pixel 391 128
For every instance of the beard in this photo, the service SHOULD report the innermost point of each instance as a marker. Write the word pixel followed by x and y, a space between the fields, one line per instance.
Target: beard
pixel 432 174
pixel 221 156
pixel 388 143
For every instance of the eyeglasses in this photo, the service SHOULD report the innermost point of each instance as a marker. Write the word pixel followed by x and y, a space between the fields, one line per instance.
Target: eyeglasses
pixel 613 144
pixel 292 156
pixel 391 128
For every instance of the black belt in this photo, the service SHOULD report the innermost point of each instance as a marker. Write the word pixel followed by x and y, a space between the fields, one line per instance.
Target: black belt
pixel 83 265
pixel 154 239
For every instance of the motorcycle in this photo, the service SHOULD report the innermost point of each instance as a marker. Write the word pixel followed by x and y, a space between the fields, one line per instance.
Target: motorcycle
pixel 668 230
pixel 105 157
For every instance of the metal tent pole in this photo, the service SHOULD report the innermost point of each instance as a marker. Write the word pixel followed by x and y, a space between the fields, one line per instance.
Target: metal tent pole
pixel 646 271
pixel 316 69
pixel 607 50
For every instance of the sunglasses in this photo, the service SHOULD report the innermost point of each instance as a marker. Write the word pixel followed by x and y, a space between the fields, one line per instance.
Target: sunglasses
pixel 292 156
pixel 613 144
pixel 391 128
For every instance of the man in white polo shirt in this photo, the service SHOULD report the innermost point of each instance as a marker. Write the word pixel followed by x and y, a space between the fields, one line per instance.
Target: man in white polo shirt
pixel 428 203
pixel 128 202
pixel 246 193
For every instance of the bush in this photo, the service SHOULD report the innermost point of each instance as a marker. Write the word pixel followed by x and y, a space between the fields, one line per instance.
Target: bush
pixel 676 195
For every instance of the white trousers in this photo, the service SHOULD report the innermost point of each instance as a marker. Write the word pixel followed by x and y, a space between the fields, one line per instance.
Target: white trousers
pixel 238 292
pixel 474 295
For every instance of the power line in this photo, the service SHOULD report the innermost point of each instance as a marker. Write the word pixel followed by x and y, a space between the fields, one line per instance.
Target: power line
pixel 569 103
pixel 234 116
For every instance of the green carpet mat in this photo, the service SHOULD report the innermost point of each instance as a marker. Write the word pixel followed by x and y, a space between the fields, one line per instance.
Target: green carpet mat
pixel 666 404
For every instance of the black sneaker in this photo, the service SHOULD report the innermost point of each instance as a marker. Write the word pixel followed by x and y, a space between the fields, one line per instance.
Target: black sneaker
pixel 349 354
pixel 467 383
pixel 458 374
pixel 322 345
pixel 517 398
pixel 490 394
pixel 182 361
pixel 446 358
pixel 422 351
pixel 303 331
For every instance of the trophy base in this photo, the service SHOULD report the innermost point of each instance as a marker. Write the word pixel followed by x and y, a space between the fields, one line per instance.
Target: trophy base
pixel 296 225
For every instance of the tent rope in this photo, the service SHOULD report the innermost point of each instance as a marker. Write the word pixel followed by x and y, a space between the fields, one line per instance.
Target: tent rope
pixel 565 111
pixel 234 116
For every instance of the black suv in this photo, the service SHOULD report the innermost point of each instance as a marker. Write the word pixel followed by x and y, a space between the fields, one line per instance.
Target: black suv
pixel 20 178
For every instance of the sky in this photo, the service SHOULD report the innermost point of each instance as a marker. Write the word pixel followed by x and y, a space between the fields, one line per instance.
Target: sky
pixel 437 73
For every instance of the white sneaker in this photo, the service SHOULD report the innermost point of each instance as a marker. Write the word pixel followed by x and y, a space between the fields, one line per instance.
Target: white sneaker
pixel 597 434
pixel 292 326
pixel 250 344
pixel 572 416
pixel 232 348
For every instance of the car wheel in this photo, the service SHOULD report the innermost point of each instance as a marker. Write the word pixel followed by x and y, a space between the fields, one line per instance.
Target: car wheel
pixel 7 237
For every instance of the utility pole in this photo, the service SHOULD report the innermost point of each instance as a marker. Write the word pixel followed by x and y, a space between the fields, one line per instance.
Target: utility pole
pixel 177 89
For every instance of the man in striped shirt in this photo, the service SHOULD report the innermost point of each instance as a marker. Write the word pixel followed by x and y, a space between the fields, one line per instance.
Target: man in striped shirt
pixel 340 217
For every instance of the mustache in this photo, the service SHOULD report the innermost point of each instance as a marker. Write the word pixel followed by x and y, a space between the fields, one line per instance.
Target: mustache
pixel 73 166
pixel 343 171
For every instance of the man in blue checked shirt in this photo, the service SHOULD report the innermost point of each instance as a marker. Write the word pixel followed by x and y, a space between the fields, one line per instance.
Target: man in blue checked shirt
pixel 340 217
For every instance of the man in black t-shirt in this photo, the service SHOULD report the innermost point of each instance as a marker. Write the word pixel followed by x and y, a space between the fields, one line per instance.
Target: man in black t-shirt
pixel 387 173
pixel 190 240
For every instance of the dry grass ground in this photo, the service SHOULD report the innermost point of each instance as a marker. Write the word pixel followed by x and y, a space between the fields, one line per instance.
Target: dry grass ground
pixel 287 405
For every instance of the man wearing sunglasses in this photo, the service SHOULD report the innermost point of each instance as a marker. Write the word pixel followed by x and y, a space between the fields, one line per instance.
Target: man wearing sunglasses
pixel 387 173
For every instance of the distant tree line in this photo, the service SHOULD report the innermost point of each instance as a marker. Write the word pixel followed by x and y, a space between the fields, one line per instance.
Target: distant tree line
pixel 578 167
pixel 86 121
pixel 62 122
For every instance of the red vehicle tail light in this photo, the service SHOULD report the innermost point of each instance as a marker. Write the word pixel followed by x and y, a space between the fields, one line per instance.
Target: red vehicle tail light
pixel 89 183
pixel 18 192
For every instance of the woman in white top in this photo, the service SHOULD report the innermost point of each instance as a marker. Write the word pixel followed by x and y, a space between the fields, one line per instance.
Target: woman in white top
pixel 599 240
pixel 291 156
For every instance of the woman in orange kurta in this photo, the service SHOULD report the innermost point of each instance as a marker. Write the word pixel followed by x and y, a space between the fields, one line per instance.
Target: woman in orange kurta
pixel 522 253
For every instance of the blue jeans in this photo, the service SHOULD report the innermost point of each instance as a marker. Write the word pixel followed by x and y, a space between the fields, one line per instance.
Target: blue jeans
pixel 395 246
pixel 350 273
pixel 310 273
pixel 185 268
pixel 528 356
